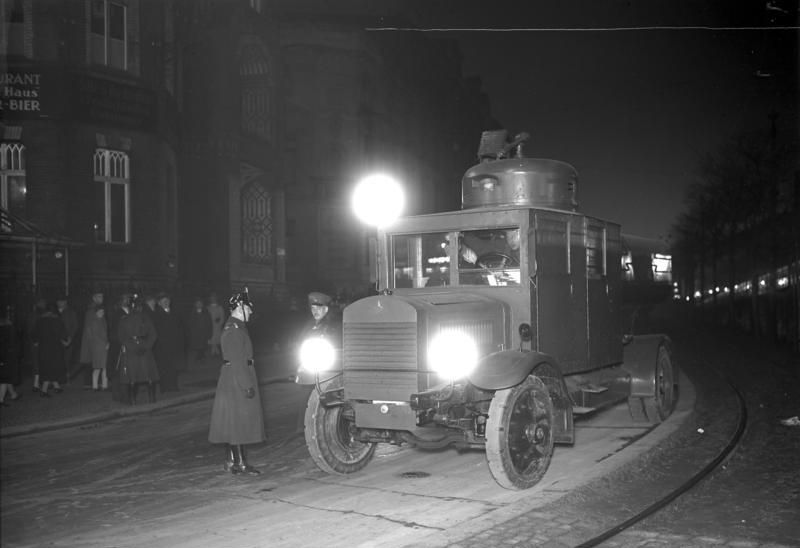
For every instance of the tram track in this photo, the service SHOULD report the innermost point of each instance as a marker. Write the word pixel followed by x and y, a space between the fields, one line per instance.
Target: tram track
pixel 687 485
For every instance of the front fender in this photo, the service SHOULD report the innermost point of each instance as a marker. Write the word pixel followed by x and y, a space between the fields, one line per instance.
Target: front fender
pixel 505 369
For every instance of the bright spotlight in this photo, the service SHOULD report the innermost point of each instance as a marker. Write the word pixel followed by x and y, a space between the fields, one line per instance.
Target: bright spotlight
pixel 378 200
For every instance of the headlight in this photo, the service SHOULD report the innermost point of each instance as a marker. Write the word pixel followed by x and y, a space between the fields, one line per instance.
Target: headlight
pixel 452 354
pixel 317 354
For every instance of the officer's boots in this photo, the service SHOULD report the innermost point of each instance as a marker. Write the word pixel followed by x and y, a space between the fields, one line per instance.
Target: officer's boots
pixel 151 392
pixel 133 388
pixel 241 466
pixel 230 460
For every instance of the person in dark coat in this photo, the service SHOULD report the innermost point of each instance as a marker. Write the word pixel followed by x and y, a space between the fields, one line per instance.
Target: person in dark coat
pixel 31 352
pixel 237 418
pixel 137 335
pixel 199 330
pixel 323 323
pixel 94 347
pixel 50 339
pixel 85 357
pixel 9 357
pixel 119 390
pixel 70 319
pixel 170 346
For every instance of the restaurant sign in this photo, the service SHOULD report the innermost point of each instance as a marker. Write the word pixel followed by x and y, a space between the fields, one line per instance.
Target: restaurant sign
pixel 21 94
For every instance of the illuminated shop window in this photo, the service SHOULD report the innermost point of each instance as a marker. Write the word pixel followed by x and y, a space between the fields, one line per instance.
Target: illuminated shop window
pixel 108 36
pixel 111 196
pixel 12 177
pixel 256 205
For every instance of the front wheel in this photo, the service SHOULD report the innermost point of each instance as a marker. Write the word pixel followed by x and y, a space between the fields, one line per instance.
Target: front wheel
pixel 330 435
pixel 519 435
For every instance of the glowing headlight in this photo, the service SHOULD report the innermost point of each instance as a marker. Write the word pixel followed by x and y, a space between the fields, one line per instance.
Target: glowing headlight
pixel 317 354
pixel 452 354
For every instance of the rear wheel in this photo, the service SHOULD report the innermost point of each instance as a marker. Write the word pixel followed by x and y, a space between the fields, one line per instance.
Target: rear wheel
pixel 519 436
pixel 330 435
pixel 658 407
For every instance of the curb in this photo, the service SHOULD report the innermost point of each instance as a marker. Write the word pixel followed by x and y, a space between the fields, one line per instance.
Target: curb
pixel 38 427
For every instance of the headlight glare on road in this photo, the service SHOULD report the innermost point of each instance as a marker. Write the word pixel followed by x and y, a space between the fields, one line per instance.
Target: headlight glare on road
pixel 317 354
pixel 452 354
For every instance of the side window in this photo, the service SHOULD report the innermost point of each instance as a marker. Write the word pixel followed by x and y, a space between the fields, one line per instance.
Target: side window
pixel 420 260
pixel 12 178
pixel 595 252
pixel 489 257
pixel 111 206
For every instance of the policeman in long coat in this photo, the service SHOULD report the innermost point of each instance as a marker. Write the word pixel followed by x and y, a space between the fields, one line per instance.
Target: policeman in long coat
pixel 237 418
pixel 137 335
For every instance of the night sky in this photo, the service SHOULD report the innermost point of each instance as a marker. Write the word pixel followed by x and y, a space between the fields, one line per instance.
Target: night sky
pixel 623 90
pixel 632 110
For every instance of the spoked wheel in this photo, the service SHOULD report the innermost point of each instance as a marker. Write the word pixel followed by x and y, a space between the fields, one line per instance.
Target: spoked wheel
pixel 658 407
pixel 330 436
pixel 519 436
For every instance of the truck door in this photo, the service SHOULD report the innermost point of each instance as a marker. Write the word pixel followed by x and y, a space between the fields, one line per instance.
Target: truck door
pixel 560 317
pixel 602 284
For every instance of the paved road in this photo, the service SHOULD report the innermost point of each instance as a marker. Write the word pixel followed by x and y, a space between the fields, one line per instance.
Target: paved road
pixel 153 480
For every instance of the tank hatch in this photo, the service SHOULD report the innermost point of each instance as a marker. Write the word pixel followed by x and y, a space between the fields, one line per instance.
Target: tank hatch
pixel 500 180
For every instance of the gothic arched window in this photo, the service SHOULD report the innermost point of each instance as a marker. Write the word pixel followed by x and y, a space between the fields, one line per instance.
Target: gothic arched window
pixel 258 110
pixel 256 204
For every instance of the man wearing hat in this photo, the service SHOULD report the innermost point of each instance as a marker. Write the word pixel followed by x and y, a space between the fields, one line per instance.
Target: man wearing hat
pixel 169 349
pixel 323 324
pixel 70 320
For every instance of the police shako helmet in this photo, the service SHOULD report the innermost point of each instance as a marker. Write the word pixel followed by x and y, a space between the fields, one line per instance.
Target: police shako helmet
pixel 239 297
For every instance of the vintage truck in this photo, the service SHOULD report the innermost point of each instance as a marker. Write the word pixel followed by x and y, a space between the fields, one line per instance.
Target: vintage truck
pixel 494 327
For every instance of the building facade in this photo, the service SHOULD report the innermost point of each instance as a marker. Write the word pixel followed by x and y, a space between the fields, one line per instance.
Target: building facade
pixel 89 137
pixel 198 146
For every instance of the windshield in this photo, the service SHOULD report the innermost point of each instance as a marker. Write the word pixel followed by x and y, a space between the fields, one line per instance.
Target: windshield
pixel 484 257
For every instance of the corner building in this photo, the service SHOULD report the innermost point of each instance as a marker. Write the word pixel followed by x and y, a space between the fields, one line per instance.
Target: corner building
pixel 88 146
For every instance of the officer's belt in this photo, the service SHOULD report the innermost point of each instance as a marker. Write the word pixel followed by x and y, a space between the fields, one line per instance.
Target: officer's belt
pixel 227 362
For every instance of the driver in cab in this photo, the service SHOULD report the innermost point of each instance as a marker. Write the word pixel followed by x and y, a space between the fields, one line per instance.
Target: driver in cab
pixel 492 251
pixel 490 248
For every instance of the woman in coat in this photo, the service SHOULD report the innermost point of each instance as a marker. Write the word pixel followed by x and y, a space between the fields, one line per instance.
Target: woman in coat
pixel 236 417
pixel 50 339
pixel 94 346
pixel 137 335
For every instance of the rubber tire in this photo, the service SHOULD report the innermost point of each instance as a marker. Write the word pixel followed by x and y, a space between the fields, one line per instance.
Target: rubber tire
pixel 656 408
pixel 327 438
pixel 504 436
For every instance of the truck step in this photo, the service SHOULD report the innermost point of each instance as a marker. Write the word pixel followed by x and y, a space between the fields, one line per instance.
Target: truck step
pixel 580 410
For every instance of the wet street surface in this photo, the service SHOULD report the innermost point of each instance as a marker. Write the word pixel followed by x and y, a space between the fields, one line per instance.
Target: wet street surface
pixel 154 480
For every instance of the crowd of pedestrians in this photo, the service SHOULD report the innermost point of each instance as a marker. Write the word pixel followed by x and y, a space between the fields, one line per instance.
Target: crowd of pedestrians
pixel 141 341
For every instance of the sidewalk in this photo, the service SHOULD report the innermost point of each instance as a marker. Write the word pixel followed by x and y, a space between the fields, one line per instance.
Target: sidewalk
pixel 76 406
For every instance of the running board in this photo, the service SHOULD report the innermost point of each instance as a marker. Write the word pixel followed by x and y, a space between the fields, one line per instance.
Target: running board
pixel 580 410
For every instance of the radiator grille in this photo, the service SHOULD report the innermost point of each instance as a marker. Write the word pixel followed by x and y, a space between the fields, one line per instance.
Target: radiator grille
pixel 380 360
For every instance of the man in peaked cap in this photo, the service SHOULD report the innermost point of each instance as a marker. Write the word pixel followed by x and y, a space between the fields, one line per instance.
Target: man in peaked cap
pixel 324 323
